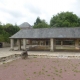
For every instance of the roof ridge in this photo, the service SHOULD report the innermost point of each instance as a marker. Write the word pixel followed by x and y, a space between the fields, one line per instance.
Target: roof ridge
pixel 54 28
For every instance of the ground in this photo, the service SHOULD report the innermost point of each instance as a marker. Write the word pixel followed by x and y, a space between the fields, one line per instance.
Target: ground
pixel 58 68
pixel 41 69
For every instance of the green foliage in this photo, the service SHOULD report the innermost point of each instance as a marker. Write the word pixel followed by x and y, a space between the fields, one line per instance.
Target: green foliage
pixel 65 19
pixel 40 24
pixel 1 38
pixel 38 20
pixel 6 31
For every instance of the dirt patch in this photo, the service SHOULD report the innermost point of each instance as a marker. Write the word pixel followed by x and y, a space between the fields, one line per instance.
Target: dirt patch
pixel 41 69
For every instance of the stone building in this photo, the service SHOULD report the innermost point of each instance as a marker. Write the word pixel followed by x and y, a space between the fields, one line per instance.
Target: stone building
pixel 47 38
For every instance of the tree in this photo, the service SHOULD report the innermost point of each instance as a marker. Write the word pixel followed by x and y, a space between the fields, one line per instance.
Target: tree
pixel 65 19
pixel 40 23
pixel 6 31
pixel 38 20
pixel 1 29
pixel 11 29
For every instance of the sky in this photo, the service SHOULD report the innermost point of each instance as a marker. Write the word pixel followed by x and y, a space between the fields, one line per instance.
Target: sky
pixel 19 11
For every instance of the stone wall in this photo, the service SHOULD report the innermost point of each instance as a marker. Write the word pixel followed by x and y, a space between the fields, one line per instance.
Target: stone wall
pixel 5 44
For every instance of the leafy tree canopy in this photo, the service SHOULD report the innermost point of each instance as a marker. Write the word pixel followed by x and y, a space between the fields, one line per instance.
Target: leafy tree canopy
pixel 6 31
pixel 40 23
pixel 65 19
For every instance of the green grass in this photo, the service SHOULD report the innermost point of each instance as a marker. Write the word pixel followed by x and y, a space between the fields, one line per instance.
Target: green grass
pixel 27 79
pixel 34 72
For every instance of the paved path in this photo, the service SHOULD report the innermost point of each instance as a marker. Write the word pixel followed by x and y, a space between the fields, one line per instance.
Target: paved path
pixel 6 52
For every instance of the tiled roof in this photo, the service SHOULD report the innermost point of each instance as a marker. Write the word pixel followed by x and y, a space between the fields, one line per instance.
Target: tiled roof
pixel 48 33
pixel 25 25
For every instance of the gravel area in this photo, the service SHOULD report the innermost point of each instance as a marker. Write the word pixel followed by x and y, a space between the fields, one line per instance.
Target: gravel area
pixel 41 69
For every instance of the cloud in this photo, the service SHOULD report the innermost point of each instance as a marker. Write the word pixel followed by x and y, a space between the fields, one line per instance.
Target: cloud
pixel 18 11
pixel 33 9
pixel 13 13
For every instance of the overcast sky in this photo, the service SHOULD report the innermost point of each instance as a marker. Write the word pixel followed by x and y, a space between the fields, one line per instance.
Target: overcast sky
pixel 19 11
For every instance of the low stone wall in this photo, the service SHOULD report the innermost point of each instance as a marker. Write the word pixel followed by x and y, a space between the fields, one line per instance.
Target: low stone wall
pixel 17 56
pixel 9 58
pixel 5 44
pixel 50 56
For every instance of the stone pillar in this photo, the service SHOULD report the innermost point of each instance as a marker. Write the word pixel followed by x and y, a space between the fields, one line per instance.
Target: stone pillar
pixel 52 44
pixel 24 44
pixel 12 44
pixel 19 44
pixel 77 44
